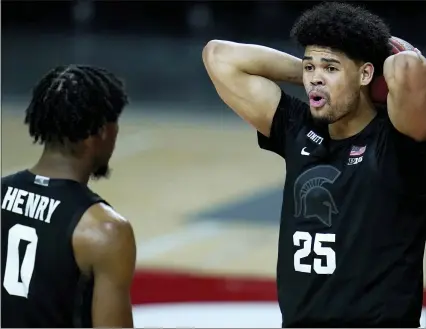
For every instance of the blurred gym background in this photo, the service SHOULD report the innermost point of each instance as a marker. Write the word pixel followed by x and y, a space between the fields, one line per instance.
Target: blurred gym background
pixel 204 201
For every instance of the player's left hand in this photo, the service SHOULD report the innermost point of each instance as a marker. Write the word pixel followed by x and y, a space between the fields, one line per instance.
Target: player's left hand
pixel 379 89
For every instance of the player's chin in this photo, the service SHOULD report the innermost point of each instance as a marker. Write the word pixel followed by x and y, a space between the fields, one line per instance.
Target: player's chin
pixel 322 115
pixel 101 172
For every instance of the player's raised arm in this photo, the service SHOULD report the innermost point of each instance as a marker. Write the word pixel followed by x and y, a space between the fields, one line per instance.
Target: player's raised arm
pixel 104 245
pixel 405 75
pixel 244 76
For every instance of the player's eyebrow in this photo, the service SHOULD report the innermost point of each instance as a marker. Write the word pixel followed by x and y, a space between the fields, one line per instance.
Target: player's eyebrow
pixel 323 59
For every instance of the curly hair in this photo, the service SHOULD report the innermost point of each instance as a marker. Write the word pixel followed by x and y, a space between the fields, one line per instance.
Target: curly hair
pixel 350 29
pixel 71 103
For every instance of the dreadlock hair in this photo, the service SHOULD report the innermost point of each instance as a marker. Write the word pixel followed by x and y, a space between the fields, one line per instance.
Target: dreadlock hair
pixel 353 30
pixel 71 103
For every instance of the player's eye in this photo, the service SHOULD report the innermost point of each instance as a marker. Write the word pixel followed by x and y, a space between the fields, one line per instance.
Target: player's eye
pixel 331 69
pixel 309 67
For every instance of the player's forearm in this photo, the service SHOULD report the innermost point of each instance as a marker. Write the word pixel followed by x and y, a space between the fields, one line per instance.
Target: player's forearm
pixel 405 76
pixel 257 60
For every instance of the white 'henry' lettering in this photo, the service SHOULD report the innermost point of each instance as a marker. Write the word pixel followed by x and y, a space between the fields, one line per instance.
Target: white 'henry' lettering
pixel 29 204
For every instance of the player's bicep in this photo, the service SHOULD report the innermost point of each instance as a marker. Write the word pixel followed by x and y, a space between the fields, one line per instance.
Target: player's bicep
pixel 253 98
pixel 111 305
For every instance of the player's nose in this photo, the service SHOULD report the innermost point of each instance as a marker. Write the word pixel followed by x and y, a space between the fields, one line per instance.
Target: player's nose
pixel 317 81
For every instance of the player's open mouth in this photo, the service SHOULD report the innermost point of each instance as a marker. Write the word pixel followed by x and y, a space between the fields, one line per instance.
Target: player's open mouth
pixel 316 99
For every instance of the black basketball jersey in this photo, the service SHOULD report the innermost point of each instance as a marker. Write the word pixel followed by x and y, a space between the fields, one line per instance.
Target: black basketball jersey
pixel 41 283
pixel 353 230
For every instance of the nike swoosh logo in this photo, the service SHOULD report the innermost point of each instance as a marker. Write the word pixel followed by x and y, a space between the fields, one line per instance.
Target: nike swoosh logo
pixel 303 152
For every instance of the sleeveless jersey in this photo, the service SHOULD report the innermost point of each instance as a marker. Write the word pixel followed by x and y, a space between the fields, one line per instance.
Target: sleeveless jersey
pixel 353 223
pixel 41 283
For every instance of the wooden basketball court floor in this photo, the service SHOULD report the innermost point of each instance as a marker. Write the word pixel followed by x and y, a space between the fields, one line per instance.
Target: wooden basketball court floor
pixel 203 199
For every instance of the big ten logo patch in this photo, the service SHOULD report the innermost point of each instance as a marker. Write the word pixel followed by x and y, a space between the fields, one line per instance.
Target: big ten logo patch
pixel 354 161
pixel 356 155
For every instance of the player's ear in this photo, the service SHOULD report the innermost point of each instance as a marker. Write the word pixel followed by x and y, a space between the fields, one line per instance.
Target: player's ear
pixel 94 140
pixel 103 132
pixel 367 72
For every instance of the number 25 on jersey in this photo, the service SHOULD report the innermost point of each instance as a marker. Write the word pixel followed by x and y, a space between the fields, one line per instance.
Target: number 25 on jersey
pixel 305 239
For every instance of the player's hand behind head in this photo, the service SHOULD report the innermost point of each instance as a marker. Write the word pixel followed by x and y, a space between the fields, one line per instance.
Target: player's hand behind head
pixel 379 89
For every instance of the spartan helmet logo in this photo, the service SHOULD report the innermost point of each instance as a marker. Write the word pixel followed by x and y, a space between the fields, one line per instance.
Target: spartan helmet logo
pixel 311 197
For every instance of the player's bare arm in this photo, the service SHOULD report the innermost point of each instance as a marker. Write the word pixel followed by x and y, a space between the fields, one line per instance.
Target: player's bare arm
pixel 245 76
pixel 405 75
pixel 104 246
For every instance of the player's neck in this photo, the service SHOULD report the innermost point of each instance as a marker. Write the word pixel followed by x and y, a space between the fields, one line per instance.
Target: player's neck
pixel 61 166
pixel 354 122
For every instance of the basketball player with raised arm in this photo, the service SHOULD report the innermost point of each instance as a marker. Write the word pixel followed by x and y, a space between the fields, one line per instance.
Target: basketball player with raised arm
pixel 68 257
pixel 353 224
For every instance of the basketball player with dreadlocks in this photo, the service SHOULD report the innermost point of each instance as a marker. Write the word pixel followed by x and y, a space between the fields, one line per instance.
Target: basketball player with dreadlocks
pixel 67 256
pixel 353 221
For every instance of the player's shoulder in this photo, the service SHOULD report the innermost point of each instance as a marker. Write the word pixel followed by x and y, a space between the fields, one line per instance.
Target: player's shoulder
pixel 382 120
pixel 388 135
pixel 6 181
pixel 104 219
pixel 292 114
pixel 293 104
pixel 9 179
pixel 100 232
